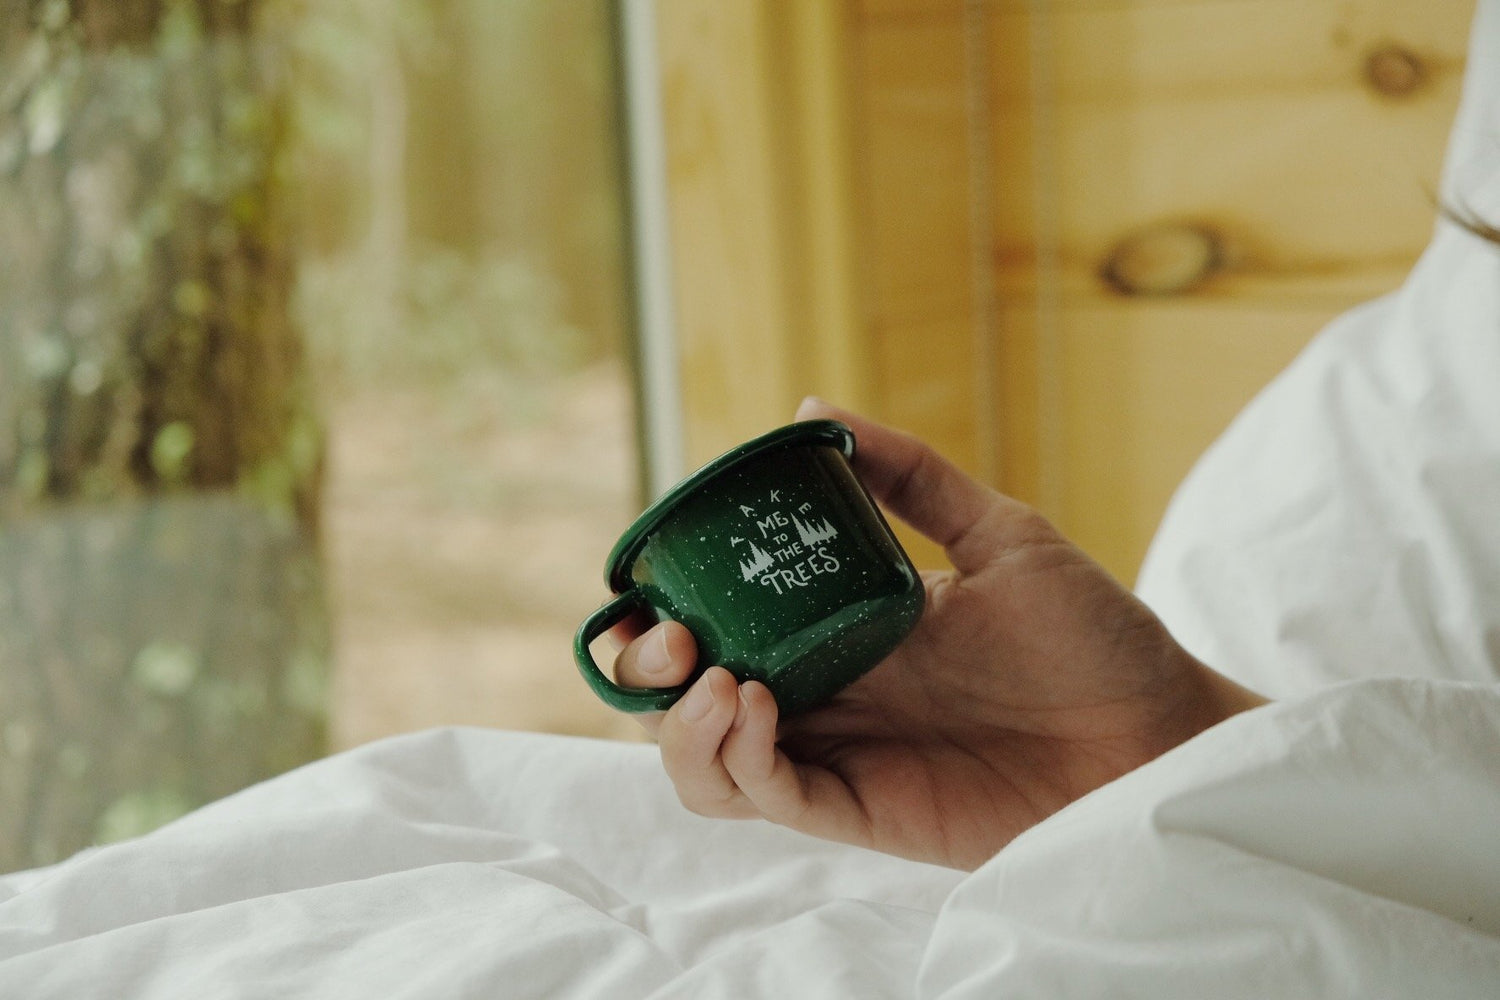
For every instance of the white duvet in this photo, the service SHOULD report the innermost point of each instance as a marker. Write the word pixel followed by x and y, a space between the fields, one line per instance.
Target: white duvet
pixel 1339 548
pixel 1343 845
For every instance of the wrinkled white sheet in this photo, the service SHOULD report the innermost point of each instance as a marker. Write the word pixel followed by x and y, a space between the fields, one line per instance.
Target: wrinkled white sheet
pixel 461 863
pixel 1344 845
pixel 1344 842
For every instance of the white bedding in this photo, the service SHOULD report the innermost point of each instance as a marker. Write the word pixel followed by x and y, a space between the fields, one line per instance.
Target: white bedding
pixel 1342 845
pixel 1343 842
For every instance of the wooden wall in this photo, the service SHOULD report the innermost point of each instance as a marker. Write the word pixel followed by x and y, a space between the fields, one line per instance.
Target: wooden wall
pixel 1064 242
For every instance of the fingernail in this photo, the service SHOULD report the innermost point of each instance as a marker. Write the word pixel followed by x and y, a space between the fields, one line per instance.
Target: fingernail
pixel 615 641
pixel 698 702
pixel 741 711
pixel 655 659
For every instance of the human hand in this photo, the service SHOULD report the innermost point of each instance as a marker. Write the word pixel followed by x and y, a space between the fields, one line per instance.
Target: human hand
pixel 1032 678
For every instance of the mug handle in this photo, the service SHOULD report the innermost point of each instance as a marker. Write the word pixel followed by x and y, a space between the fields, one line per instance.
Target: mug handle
pixel 623 698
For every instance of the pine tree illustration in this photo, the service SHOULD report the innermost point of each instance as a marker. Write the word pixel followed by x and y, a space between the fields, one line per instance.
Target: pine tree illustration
pixel 812 535
pixel 760 562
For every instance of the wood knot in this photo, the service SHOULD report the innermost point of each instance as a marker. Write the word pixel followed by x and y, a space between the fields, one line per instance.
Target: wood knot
pixel 1164 258
pixel 1393 70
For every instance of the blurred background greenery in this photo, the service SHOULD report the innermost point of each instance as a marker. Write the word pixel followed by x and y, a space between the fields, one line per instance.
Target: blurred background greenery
pixel 315 405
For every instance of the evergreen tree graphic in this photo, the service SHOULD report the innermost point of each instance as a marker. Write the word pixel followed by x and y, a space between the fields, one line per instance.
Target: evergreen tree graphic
pixel 760 561
pixel 813 534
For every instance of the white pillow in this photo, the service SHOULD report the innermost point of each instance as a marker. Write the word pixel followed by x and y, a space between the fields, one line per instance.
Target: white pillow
pixel 1347 524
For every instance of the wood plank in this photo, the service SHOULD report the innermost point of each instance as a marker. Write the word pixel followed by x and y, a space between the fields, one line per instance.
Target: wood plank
pixel 912 142
pixel 1251 119
pixel 1147 385
pixel 926 383
pixel 763 214
pixel 723 165
pixel 1249 114
pixel 1293 179
pixel 826 195
pixel 1354 12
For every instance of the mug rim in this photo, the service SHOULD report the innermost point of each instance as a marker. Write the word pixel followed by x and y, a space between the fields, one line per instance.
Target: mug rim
pixel 803 433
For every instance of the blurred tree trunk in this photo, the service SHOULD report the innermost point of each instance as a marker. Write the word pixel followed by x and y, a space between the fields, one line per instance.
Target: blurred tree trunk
pixel 162 637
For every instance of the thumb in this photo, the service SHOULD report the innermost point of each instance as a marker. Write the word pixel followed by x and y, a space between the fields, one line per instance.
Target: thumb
pixel 925 490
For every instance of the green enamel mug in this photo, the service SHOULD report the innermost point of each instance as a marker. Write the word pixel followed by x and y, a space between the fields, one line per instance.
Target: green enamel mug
pixel 777 560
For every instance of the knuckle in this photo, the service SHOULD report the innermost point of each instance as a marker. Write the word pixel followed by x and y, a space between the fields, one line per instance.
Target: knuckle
pixel 709 805
pixel 786 801
pixel 693 806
